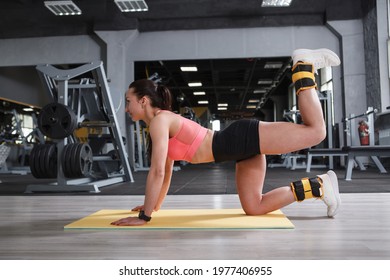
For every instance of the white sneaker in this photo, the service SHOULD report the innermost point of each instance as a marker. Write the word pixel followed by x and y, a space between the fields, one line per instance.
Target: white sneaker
pixel 320 58
pixel 331 195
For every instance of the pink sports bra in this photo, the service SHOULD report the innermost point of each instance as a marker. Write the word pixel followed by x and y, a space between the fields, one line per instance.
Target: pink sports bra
pixel 187 140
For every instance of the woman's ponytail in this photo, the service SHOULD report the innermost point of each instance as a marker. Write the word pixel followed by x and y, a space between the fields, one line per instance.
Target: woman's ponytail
pixel 160 96
pixel 166 97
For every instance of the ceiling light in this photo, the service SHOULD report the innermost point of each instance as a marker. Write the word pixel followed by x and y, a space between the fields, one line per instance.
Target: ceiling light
pixel 188 68
pixel 28 109
pixel 203 102
pixel 276 3
pixel 273 65
pixel 223 104
pixel 132 5
pixel 199 93
pixel 195 84
pixel 264 82
pixel 253 101
pixel 251 107
pixel 63 8
pixel 222 109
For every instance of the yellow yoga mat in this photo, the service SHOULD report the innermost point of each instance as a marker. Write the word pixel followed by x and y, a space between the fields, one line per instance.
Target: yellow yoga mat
pixel 194 219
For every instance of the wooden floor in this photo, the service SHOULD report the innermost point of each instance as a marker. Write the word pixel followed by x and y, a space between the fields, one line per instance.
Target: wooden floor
pixel 31 227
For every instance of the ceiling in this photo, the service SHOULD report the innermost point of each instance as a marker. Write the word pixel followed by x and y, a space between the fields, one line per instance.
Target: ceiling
pixel 231 81
pixel 30 18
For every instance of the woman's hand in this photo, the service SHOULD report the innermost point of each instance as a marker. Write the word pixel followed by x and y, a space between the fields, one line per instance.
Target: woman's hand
pixel 129 221
pixel 138 208
pixel 141 208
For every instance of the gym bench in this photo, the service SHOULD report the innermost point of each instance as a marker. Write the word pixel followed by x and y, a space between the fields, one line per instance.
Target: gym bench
pixel 351 152
pixel 332 152
pixel 370 151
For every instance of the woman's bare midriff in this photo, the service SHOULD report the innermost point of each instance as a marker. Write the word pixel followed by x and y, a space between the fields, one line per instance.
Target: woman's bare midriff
pixel 205 151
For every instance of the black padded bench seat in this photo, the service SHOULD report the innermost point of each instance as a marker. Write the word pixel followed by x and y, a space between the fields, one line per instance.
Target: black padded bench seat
pixel 326 151
pixel 383 150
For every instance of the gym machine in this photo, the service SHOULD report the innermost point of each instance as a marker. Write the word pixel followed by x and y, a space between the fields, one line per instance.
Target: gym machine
pixel 82 124
pixel 351 140
pixel 352 131
pixel 290 160
pixel 352 149
pixel 4 153
pixel 12 135
pixel 139 146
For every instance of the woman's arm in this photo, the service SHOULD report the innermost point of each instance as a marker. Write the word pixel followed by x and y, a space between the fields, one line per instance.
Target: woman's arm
pixel 166 183
pixel 159 133
pixel 165 187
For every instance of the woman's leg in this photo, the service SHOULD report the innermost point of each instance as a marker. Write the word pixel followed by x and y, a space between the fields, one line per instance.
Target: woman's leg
pixel 283 137
pixel 250 174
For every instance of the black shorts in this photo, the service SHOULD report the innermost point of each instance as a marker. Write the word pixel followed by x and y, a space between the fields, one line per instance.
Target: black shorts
pixel 239 141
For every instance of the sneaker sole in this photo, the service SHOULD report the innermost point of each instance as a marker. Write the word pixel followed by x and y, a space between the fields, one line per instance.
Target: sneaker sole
pixel 333 57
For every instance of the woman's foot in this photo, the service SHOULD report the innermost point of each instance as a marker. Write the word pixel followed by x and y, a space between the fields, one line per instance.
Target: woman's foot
pixel 320 58
pixel 330 192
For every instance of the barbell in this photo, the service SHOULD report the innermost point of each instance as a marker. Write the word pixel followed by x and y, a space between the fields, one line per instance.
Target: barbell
pixel 58 121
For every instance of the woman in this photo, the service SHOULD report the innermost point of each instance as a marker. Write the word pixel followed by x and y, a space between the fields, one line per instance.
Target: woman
pixel 245 141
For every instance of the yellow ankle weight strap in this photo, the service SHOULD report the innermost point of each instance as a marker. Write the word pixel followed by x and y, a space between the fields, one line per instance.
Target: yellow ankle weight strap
pixel 307 188
pixel 303 76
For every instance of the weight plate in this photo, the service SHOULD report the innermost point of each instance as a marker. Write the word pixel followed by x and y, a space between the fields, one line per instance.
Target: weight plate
pixel 85 160
pixel 76 168
pixel 77 160
pixel 72 161
pixel 51 161
pixel 55 161
pixel 63 155
pixel 40 168
pixel 42 160
pixel 64 161
pixel 115 164
pixel 33 156
pixel 57 121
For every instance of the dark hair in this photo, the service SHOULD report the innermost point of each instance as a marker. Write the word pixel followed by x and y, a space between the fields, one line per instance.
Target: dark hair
pixel 160 96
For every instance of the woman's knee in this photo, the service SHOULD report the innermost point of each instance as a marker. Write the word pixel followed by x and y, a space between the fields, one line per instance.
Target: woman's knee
pixel 319 134
pixel 252 206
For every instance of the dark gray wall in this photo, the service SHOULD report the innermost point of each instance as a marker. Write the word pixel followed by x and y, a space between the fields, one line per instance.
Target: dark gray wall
pixel 19 57
pixel 22 84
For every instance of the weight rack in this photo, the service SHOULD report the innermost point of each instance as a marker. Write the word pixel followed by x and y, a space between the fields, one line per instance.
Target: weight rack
pixel 57 83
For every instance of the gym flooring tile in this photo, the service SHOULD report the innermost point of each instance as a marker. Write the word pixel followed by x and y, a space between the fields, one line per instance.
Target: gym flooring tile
pixel 210 179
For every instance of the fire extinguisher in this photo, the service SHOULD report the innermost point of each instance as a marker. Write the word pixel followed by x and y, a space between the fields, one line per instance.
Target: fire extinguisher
pixel 364 133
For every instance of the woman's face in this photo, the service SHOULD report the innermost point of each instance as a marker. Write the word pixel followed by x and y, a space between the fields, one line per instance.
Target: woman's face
pixel 133 105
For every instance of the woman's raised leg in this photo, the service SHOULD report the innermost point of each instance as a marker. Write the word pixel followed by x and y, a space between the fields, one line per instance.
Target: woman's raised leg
pixel 284 137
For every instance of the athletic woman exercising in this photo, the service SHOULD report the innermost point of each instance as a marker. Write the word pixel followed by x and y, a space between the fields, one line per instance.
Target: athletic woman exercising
pixel 245 141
